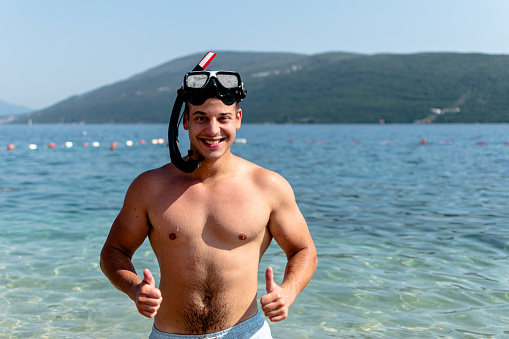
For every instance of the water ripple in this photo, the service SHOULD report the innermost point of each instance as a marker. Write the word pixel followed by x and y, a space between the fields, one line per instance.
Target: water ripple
pixel 412 239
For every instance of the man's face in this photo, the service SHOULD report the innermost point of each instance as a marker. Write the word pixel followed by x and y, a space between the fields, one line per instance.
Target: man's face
pixel 212 127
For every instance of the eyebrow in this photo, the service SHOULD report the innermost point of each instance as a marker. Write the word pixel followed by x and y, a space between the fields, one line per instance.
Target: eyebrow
pixel 203 113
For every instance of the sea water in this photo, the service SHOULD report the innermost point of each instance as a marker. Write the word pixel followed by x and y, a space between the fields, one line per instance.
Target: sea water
pixel 412 239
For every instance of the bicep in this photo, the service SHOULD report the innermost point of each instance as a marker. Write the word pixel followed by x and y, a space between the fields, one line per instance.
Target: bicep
pixel 287 224
pixel 131 226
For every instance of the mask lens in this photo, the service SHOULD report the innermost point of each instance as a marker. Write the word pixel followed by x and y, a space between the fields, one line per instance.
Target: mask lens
pixel 199 86
pixel 197 80
pixel 228 80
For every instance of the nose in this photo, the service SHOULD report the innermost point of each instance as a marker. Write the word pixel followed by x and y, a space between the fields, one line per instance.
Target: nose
pixel 213 127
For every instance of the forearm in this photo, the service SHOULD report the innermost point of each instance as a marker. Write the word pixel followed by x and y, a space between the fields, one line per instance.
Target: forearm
pixel 118 268
pixel 300 268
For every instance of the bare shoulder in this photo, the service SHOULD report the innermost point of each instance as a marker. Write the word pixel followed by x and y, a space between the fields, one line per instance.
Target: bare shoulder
pixel 271 182
pixel 153 179
pixel 286 224
pixel 132 224
pixel 157 174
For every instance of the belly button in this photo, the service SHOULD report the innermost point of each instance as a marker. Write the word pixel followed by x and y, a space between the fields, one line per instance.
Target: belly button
pixel 242 236
pixel 173 236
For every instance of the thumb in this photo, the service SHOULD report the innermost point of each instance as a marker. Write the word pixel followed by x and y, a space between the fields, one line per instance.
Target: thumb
pixel 148 278
pixel 270 284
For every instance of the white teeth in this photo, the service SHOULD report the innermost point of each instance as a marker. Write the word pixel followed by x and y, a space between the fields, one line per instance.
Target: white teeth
pixel 212 142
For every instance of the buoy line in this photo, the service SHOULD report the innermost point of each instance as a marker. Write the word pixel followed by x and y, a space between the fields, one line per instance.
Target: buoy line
pixel 112 145
pixel 96 144
pixel 160 141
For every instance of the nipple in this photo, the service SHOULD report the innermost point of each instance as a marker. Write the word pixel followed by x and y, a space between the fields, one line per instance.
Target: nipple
pixel 173 236
pixel 242 236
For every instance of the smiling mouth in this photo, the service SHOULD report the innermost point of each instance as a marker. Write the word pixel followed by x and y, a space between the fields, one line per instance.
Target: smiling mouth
pixel 213 141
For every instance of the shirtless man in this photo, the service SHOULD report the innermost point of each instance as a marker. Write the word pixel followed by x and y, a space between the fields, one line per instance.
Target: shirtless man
pixel 209 230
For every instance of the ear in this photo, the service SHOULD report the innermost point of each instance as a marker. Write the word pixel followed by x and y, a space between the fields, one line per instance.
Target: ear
pixel 185 122
pixel 239 118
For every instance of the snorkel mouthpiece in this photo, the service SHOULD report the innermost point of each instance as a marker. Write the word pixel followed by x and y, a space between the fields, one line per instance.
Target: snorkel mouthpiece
pixel 200 85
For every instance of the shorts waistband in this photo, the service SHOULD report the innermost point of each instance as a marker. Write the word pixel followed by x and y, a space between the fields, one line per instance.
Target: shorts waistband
pixel 254 327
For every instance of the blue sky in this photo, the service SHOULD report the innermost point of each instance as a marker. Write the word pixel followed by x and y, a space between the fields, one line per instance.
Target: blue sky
pixel 50 50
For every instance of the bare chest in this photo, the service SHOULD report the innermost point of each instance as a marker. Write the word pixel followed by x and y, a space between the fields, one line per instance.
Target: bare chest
pixel 222 216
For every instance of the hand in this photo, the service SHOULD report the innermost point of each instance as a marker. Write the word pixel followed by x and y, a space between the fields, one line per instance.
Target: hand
pixel 148 297
pixel 275 303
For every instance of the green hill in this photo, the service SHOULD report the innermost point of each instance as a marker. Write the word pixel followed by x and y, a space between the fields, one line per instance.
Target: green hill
pixel 326 88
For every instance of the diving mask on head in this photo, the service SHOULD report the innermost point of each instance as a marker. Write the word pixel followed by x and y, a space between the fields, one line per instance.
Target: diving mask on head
pixel 200 85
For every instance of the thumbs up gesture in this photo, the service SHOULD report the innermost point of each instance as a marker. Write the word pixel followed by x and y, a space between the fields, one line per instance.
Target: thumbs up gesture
pixel 275 303
pixel 148 297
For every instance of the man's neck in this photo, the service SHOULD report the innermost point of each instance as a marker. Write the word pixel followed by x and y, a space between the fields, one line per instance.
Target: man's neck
pixel 209 170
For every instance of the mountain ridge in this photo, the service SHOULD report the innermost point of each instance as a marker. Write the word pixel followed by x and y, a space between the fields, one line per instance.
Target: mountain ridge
pixel 333 87
pixel 8 109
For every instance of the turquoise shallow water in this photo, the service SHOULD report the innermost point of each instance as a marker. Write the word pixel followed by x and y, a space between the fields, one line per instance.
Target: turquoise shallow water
pixel 412 239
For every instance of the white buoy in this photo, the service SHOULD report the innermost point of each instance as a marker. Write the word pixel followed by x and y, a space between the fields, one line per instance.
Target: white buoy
pixel 32 146
pixel 129 143
pixel 68 144
pixel 96 144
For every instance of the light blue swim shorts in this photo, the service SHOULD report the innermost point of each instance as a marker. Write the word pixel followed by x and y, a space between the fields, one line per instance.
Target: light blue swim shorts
pixel 254 327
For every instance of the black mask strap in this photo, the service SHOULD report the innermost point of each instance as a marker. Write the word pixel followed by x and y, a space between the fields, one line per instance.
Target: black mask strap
pixel 190 164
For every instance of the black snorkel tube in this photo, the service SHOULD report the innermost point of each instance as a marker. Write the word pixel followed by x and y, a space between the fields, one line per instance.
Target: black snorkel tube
pixel 189 165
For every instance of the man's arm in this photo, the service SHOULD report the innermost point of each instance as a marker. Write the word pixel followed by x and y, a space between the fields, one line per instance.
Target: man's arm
pixel 127 233
pixel 290 230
